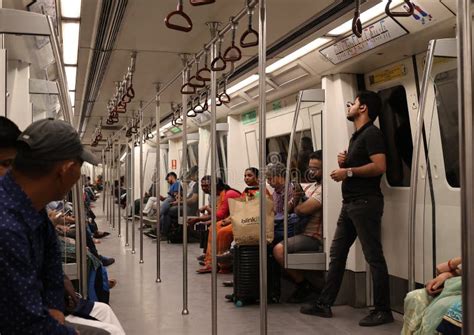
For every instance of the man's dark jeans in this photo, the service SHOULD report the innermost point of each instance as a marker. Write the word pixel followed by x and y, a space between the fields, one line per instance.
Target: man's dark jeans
pixel 359 218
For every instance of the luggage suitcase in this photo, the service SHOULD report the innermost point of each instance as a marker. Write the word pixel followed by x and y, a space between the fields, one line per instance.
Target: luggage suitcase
pixel 247 279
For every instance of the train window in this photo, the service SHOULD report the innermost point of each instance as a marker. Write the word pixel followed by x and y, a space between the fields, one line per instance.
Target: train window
pixel 395 124
pixel 277 151
pixel 445 85
pixel 193 155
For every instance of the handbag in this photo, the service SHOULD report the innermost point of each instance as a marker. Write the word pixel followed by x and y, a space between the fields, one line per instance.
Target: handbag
pixel 245 217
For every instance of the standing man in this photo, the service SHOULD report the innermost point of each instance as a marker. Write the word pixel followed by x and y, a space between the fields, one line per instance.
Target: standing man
pixel 47 164
pixel 360 170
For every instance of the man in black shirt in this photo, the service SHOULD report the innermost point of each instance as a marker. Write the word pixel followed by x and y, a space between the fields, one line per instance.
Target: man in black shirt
pixel 360 170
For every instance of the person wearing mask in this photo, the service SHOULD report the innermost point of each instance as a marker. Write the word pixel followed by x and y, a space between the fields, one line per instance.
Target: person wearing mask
pixel 31 285
pixel 360 170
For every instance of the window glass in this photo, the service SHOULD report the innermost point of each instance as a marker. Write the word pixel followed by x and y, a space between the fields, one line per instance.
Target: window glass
pixel 445 84
pixel 277 151
pixel 394 122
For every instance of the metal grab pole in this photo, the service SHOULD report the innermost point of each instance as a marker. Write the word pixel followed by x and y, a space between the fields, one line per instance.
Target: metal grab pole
pixel 127 190
pixel 466 126
pixel 132 195
pixel 262 48
pixel 414 170
pixel 214 27
pixel 103 180
pixel 287 179
pixel 108 186
pixel 119 193
pixel 184 100
pixel 142 177
pixel 157 186
pixel 81 250
pixel 113 168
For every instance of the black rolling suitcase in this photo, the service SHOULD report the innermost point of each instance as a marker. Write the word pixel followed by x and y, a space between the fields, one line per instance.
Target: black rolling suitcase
pixel 247 279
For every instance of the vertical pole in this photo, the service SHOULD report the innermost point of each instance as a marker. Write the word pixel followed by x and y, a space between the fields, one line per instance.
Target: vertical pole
pixel 119 193
pixel 103 181
pixel 414 171
pixel 157 184
pixel 3 76
pixel 141 181
pixel 466 125
pixel 81 251
pixel 108 187
pixel 262 45
pixel 214 31
pixel 132 195
pixel 127 189
pixel 184 166
pixel 113 168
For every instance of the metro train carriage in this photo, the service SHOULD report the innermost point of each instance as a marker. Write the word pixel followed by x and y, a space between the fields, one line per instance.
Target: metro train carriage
pixel 222 131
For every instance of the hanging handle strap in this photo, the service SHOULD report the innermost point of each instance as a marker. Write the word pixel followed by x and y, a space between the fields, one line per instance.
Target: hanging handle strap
pixel 218 64
pixel 201 2
pixel 232 53
pixel 246 38
pixel 356 23
pixel 179 12
pixel 392 14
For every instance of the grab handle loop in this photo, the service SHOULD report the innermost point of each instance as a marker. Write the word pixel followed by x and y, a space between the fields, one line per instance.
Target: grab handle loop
pixel 250 32
pixel 179 12
pixel 232 53
pixel 224 97
pixel 201 2
pixel 194 81
pixel 392 14
pixel 204 74
pixel 219 59
pixel 356 23
pixel 190 110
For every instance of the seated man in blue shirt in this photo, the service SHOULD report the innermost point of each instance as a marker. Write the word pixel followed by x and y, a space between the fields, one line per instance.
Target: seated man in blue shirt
pixel 48 163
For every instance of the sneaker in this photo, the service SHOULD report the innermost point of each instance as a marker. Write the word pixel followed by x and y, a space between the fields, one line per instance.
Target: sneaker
pixel 376 318
pixel 317 309
pixel 107 261
pixel 303 293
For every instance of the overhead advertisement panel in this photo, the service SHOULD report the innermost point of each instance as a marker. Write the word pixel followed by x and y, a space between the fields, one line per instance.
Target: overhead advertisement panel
pixel 374 35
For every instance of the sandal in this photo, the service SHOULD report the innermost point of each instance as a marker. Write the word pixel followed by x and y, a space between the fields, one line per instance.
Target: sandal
pixel 203 270
pixel 201 258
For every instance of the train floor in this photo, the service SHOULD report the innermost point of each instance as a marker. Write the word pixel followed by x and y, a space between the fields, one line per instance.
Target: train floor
pixel 146 307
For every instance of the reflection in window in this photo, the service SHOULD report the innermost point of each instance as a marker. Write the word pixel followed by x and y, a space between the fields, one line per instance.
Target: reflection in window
pixel 277 151
pixel 446 93
pixel 395 124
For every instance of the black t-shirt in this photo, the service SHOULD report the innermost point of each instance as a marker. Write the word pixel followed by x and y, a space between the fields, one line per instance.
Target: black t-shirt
pixel 365 142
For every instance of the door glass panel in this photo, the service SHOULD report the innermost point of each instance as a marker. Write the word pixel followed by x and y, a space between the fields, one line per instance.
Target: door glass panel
pixel 440 177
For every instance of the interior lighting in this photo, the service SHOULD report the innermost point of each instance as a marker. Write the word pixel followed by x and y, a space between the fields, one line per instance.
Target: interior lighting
pixel 297 54
pixel 241 84
pixel 71 9
pixel 70 42
pixel 71 72
pixel 365 16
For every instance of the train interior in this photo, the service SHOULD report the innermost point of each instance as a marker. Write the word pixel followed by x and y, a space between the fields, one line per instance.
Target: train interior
pixel 315 64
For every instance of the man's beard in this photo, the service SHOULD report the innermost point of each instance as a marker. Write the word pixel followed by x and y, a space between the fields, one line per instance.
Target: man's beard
pixel 350 118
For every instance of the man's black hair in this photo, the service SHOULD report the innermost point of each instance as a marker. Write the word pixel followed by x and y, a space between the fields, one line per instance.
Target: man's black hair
pixel 171 174
pixel 318 154
pixel 372 101
pixel 9 132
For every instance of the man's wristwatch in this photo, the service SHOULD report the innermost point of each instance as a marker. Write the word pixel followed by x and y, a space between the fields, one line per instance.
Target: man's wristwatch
pixel 349 173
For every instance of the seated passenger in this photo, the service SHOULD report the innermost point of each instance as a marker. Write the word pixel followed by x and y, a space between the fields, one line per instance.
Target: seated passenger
pixel 312 237
pixel 276 176
pixel 31 285
pixel 85 312
pixel 224 192
pixel 172 180
pixel 424 308
pixel 225 234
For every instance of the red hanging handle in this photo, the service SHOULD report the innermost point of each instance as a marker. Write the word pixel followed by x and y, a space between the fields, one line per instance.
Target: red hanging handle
pixel 411 10
pixel 201 2
pixel 179 12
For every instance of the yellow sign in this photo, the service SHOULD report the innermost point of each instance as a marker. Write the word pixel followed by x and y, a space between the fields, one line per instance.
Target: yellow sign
pixel 387 75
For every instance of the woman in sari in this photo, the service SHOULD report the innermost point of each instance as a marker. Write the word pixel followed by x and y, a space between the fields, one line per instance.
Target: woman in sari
pixel 425 308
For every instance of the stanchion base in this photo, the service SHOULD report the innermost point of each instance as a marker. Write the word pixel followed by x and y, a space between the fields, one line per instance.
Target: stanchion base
pixel 119 235
pixel 185 312
pixel 141 261
pixel 133 252
pixel 127 244
pixel 158 280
